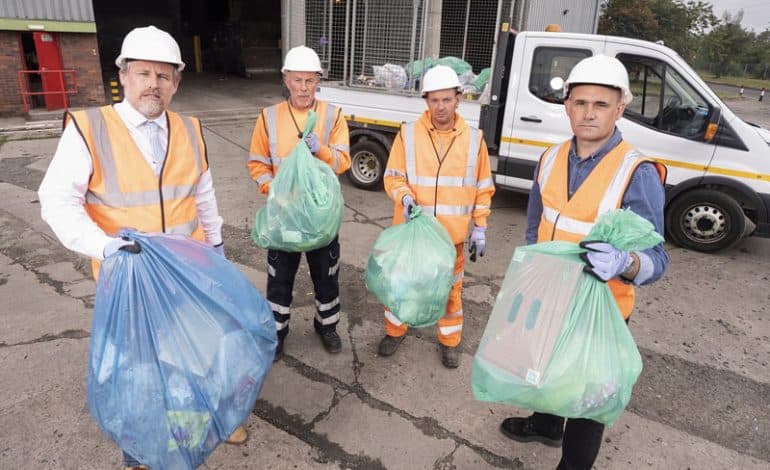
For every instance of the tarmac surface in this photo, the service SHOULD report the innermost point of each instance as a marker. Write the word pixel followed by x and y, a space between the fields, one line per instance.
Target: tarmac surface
pixel 702 401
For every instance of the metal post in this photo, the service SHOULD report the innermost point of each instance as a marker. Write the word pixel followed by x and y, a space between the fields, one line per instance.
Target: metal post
pixel 347 36
pixel 366 31
pixel 329 35
pixel 496 35
pixel 353 45
pixel 414 30
pixel 63 90
pixel 465 28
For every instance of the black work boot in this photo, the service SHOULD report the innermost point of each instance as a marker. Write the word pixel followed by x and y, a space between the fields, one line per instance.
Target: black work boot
pixel 331 341
pixel 525 430
pixel 389 344
pixel 450 356
pixel 279 350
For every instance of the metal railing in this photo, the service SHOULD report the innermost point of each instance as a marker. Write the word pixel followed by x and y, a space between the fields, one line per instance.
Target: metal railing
pixel 65 77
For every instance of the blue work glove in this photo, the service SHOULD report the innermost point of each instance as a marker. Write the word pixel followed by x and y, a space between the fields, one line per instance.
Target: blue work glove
pixel 116 244
pixel 313 142
pixel 603 260
pixel 478 242
pixel 220 249
pixel 408 202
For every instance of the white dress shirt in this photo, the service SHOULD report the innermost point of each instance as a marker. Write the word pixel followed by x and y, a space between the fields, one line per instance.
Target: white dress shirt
pixel 62 192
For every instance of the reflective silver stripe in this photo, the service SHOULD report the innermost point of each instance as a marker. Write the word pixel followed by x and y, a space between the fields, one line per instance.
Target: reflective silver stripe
pixel 392 318
pixel 327 306
pixel 456 314
pixel 394 194
pixel 280 325
pixel 613 196
pixel 445 209
pixel 411 163
pixel 341 147
pixel 184 229
pixel 392 172
pixel 458 277
pixel 267 177
pixel 276 163
pixel 473 157
pixel 103 150
pixel 335 159
pixel 481 206
pixel 270 271
pixel 485 183
pixel 547 162
pixel 333 270
pixel 279 308
pixel 143 198
pixel 260 159
pixel 272 131
pixel 448 330
pixel 329 320
pixel 192 132
pixel 453 181
pixel 331 115
pixel 565 223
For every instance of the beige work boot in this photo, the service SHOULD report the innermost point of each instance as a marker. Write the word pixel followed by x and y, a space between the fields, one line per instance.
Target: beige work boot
pixel 238 437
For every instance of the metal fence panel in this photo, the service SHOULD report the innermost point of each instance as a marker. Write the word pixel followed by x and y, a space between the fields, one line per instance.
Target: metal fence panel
pixel 55 10
pixel 574 16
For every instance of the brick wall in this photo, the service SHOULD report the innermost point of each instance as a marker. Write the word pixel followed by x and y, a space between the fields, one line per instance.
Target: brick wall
pixel 80 51
pixel 10 63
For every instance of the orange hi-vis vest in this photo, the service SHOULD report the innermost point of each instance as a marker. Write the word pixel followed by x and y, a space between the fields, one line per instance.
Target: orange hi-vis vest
pixel 124 191
pixel 570 219
pixel 448 189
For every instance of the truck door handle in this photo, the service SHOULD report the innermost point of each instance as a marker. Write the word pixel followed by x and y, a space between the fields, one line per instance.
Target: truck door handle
pixel 531 119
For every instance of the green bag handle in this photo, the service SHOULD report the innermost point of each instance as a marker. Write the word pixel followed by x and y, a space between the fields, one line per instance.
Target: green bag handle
pixel 312 117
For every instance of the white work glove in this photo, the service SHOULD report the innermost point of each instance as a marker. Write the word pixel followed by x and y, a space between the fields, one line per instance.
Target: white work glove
pixel 408 202
pixel 478 242
pixel 220 249
pixel 604 260
pixel 313 142
pixel 116 244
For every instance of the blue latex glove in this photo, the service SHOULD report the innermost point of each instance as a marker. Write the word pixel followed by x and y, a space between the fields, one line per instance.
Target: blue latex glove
pixel 478 242
pixel 313 142
pixel 220 249
pixel 116 244
pixel 603 260
pixel 408 202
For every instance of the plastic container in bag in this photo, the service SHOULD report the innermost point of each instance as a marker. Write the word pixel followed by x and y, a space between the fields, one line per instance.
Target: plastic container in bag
pixel 556 341
pixel 410 269
pixel 304 208
pixel 181 343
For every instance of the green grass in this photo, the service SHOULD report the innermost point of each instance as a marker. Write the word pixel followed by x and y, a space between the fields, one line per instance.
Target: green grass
pixel 735 81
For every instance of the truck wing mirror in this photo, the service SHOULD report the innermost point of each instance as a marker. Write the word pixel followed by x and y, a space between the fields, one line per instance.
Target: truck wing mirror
pixel 713 124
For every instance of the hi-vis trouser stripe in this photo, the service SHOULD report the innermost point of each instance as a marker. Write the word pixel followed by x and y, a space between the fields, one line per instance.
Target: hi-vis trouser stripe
pixel 280 315
pixel 611 199
pixel 323 308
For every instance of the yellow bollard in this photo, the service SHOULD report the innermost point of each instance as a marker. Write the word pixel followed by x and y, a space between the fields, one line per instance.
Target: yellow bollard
pixel 115 90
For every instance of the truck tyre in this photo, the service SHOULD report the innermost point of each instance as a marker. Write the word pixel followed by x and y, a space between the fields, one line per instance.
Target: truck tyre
pixel 705 220
pixel 367 164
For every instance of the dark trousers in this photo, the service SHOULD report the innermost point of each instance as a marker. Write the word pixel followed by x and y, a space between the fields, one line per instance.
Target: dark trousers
pixel 324 271
pixel 581 442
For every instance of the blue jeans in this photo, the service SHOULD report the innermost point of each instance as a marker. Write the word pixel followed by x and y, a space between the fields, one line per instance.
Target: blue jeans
pixel 129 461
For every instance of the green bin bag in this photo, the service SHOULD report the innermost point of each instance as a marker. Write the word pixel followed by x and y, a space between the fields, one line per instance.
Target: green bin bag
pixel 556 341
pixel 304 208
pixel 410 269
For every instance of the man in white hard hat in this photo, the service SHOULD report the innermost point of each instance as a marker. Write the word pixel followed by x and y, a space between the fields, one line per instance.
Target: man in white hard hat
pixel 561 207
pixel 441 164
pixel 108 156
pixel 276 133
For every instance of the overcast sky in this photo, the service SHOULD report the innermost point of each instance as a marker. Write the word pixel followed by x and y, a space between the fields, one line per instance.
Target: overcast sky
pixel 756 13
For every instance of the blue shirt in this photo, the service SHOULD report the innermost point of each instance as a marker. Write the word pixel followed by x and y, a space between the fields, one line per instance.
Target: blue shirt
pixel 645 196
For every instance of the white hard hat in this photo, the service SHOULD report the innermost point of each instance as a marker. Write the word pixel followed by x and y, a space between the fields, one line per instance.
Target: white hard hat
pixel 440 77
pixel 152 44
pixel 301 59
pixel 600 70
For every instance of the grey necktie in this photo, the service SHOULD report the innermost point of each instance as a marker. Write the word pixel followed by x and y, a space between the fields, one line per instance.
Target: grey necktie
pixel 152 131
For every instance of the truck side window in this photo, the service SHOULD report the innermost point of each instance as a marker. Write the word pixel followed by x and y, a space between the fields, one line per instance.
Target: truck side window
pixel 663 99
pixel 549 63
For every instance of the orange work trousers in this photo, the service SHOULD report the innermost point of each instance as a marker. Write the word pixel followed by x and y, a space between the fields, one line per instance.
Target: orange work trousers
pixel 450 326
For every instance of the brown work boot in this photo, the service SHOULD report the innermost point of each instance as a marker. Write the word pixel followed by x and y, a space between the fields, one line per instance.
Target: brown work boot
pixel 450 356
pixel 389 344
pixel 238 437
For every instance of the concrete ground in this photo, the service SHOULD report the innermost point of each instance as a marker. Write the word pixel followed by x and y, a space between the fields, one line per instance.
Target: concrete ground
pixel 702 401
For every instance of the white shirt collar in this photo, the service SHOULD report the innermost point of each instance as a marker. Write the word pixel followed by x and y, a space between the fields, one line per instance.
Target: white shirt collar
pixel 134 118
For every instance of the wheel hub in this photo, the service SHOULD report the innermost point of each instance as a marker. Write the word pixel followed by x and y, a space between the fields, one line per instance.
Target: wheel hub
pixel 366 166
pixel 704 222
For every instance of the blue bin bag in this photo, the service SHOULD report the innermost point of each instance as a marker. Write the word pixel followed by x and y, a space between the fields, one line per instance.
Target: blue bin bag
pixel 181 344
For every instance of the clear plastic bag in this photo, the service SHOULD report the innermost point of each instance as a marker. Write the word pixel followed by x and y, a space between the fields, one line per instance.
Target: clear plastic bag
pixel 181 343
pixel 304 208
pixel 410 269
pixel 556 341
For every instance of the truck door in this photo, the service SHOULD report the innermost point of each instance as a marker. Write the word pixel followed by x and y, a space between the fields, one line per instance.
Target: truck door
pixel 534 116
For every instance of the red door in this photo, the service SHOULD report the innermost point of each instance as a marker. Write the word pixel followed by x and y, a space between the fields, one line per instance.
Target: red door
pixel 49 58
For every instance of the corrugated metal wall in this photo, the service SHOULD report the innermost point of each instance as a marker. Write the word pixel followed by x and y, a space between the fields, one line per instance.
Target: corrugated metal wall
pixel 574 16
pixel 55 10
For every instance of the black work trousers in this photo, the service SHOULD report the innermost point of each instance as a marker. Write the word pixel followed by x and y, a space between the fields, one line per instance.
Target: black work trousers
pixel 581 442
pixel 324 271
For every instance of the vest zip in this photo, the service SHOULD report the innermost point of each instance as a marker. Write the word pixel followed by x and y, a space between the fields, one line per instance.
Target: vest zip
pixel 555 222
pixel 160 178
pixel 438 172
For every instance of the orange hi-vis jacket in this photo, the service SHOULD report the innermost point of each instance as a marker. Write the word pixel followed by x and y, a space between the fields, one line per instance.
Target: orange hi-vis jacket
pixel 280 127
pixel 454 187
pixel 570 219
pixel 124 191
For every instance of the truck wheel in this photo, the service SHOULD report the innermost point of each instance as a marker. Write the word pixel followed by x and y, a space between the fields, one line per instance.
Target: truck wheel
pixel 705 220
pixel 367 164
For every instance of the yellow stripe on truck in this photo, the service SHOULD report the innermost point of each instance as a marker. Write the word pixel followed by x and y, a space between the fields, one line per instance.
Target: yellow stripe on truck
pixel 672 163
pixel 377 122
